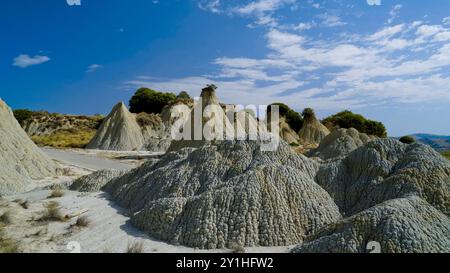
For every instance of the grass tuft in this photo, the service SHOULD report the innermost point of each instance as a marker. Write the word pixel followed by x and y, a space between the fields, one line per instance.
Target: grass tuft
pixel 7 245
pixel 83 221
pixel 135 247
pixel 237 247
pixel 56 193
pixel 6 218
pixel 52 212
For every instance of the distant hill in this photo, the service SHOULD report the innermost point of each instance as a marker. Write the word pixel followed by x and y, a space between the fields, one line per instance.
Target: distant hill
pixel 440 143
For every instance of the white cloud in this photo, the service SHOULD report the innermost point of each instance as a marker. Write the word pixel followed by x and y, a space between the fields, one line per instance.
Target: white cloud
pixel 403 63
pixel 93 68
pixel 262 6
pixel 395 11
pixel 303 26
pixel 330 20
pixel 446 21
pixel 427 30
pixel 24 60
pixel 210 5
pixel 387 32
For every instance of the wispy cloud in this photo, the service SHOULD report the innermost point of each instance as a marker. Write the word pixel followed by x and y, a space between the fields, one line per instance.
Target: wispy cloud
pixel 394 13
pixel 93 68
pixel 210 5
pixel 24 60
pixel 446 21
pixel 262 6
pixel 356 72
pixel 331 20
pixel 261 11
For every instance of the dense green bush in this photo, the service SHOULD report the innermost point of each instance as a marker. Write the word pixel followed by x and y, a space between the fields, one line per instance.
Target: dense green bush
pixel 150 101
pixel 347 119
pixel 293 118
pixel 22 115
pixel 308 113
pixel 183 96
pixel 407 139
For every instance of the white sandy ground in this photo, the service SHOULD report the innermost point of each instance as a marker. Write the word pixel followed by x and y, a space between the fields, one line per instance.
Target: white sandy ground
pixel 109 229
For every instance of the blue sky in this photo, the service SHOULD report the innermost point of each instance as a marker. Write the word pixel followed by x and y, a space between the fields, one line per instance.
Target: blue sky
pixel 389 61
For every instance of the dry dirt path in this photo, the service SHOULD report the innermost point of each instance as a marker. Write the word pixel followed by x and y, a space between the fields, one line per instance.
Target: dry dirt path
pixel 86 161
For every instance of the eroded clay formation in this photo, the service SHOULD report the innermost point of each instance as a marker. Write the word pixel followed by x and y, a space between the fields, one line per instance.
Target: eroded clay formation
pixel 21 161
pixel 354 190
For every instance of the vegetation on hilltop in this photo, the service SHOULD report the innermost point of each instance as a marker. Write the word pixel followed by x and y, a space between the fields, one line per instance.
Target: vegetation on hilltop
pixel 347 120
pixel 293 118
pixel 22 115
pixel 308 113
pixel 407 140
pixel 150 101
pixel 183 96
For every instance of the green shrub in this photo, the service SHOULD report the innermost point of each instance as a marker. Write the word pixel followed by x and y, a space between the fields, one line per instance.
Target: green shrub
pixel 150 101
pixel 446 154
pixel 183 96
pixel 347 119
pixel 293 118
pixel 308 113
pixel 22 115
pixel 407 139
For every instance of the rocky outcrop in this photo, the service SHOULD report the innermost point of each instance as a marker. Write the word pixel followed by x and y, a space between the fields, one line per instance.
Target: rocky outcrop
pixel 206 122
pixel 407 225
pixel 226 193
pixel 118 132
pixel 339 143
pixel 20 159
pixel 387 169
pixel 312 132
pixel 287 133
pixel 94 182
pixel 176 110
pixel 156 133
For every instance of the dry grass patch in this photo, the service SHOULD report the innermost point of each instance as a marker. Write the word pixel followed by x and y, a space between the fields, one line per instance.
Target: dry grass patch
pixel 65 139
pixel 237 248
pixel 82 221
pixel 56 193
pixel 52 212
pixel 135 247
pixel 7 245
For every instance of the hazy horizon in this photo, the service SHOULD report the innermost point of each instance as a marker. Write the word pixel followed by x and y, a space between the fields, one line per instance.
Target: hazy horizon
pixel 388 62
